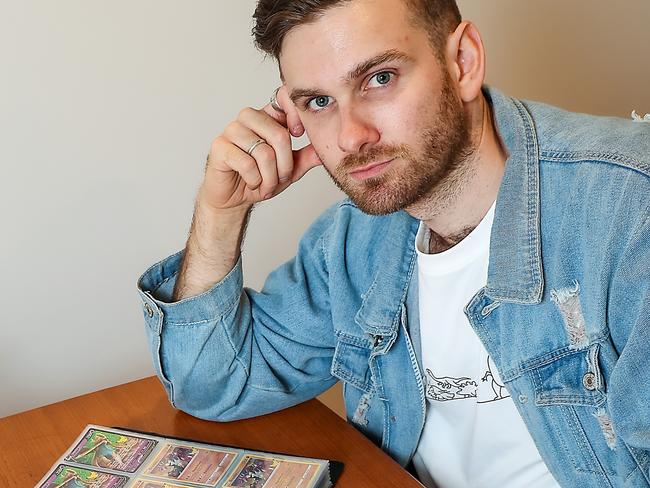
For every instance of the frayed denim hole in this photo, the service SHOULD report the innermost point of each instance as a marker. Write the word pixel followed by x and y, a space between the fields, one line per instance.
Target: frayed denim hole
pixel 568 302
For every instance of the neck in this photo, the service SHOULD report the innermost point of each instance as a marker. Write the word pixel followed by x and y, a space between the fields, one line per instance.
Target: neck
pixel 458 204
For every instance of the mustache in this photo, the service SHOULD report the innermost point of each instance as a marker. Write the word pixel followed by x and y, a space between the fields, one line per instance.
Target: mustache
pixel 377 153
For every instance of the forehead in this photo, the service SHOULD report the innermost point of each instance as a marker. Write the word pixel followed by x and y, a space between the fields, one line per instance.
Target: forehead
pixel 345 35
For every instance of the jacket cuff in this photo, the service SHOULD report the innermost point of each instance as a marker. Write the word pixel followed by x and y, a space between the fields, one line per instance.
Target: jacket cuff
pixel 156 287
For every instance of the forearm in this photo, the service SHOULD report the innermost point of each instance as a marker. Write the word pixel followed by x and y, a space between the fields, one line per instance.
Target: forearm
pixel 233 352
pixel 251 161
pixel 212 248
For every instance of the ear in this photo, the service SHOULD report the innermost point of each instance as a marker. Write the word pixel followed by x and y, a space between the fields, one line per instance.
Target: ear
pixel 465 56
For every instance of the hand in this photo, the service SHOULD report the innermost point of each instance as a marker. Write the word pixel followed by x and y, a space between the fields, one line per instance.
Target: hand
pixel 234 178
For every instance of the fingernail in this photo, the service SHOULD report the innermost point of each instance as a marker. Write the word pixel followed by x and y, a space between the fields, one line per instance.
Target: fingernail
pixel 297 129
pixel 268 195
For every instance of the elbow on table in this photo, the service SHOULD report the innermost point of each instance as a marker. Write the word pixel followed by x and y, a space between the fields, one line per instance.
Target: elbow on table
pixel 213 399
pixel 240 400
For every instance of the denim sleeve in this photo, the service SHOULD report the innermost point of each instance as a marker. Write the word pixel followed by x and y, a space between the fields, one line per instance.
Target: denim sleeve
pixel 232 352
pixel 629 312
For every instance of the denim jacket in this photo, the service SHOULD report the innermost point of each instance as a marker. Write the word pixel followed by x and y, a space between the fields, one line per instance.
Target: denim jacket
pixel 565 314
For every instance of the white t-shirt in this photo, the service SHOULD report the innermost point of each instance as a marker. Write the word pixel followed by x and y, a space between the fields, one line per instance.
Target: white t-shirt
pixel 473 435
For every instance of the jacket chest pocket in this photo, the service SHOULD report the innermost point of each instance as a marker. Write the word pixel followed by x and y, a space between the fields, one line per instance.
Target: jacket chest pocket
pixel 351 361
pixel 571 378
pixel 570 394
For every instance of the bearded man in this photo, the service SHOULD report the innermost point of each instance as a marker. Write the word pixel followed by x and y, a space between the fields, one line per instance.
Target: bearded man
pixel 483 293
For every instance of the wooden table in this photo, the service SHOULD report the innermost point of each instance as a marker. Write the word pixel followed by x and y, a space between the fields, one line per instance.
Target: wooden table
pixel 31 442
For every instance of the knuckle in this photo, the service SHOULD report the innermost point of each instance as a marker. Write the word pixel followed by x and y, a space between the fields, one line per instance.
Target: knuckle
pixel 265 153
pixel 247 164
pixel 285 174
pixel 230 128
pixel 251 173
pixel 280 136
pixel 267 187
pixel 217 142
pixel 233 158
pixel 245 113
pixel 218 147
pixel 285 166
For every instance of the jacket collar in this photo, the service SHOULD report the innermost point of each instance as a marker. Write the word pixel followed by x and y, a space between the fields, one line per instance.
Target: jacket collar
pixel 515 271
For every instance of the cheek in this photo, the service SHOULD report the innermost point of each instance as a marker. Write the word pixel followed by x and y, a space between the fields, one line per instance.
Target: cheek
pixel 324 141
pixel 398 125
pixel 404 119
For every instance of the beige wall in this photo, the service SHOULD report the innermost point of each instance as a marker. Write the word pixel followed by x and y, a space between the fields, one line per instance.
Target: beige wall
pixel 588 56
pixel 106 113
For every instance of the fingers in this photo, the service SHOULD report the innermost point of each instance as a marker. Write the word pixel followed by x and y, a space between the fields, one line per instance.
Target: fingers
pixel 304 160
pixel 275 156
pixel 289 116
pixel 253 158
pixel 258 169
pixel 236 160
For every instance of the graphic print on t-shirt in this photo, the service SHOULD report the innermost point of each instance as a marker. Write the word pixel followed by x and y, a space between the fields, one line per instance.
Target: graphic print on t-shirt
pixel 446 388
pixel 499 390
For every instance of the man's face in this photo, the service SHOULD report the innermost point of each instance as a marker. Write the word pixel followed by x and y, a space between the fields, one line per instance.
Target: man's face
pixel 376 103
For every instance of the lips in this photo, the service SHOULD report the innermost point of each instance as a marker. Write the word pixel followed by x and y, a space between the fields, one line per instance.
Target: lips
pixel 370 170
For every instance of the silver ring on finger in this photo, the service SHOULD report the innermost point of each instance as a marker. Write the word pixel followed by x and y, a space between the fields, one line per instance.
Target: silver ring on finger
pixel 254 145
pixel 274 101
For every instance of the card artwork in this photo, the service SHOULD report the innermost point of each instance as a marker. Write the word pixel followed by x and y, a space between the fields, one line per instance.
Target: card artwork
pixel 270 472
pixel 190 464
pixel 156 484
pixel 111 450
pixel 65 476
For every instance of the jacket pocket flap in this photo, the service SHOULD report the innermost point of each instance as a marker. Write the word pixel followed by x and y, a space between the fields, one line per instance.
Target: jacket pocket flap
pixel 350 361
pixel 570 377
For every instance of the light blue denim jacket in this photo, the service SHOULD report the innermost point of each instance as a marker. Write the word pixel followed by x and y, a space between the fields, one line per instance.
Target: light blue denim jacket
pixel 565 314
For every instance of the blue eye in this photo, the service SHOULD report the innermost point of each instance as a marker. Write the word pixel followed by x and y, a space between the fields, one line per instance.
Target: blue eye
pixel 380 79
pixel 318 103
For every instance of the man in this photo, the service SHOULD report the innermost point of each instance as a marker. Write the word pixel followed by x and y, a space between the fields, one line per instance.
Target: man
pixel 483 293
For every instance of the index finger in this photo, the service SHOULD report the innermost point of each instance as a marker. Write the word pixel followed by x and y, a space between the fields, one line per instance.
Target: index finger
pixel 289 117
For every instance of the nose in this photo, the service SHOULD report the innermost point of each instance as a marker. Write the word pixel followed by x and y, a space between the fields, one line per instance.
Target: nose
pixel 356 131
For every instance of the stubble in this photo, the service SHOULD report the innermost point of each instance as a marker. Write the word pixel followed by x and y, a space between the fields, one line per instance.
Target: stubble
pixel 430 176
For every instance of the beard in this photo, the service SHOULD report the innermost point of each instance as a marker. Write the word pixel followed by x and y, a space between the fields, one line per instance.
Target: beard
pixel 445 147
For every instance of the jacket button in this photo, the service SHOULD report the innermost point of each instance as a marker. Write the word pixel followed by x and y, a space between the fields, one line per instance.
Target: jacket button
pixel 589 381
pixel 148 309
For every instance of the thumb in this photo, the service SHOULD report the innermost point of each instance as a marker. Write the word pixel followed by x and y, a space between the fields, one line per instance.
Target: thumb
pixel 303 160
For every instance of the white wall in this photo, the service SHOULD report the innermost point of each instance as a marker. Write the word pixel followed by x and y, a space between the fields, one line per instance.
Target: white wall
pixel 107 110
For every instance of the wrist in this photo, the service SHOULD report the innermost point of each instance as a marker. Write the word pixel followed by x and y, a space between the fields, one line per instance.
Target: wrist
pixel 217 233
pixel 203 205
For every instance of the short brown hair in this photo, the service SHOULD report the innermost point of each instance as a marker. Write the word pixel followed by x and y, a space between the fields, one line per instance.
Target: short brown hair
pixel 275 18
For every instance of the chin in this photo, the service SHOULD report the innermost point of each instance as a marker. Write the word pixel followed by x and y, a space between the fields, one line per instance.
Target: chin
pixel 381 203
pixel 377 196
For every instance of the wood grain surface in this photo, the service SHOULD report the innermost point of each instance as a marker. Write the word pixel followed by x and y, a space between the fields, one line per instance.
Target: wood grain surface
pixel 31 442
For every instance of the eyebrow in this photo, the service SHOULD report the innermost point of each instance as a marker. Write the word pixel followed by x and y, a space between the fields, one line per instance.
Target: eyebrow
pixel 356 72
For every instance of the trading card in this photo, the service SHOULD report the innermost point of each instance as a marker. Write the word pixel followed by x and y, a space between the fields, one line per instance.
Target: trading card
pixel 155 484
pixel 269 472
pixel 191 464
pixel 104 449
pixel 65 476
